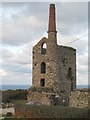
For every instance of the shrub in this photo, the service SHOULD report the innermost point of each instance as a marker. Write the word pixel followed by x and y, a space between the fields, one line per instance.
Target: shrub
pixel 42 111
pixel 9 95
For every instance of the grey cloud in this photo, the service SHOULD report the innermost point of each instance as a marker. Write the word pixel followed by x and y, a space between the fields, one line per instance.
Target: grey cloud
pixel 71 18
pixel 16 68
pixel 27 27
pixel 16 62
pixel 6 54
pixel 44 1
pixel 13 78
pixel 83 62
pixel 81 46
pixel 21 28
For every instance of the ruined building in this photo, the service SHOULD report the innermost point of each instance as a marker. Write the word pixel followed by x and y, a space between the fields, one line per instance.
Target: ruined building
pixel 53 70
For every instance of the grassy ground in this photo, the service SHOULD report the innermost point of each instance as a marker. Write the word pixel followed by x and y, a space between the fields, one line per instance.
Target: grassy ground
pixel 22 102
pixel 45 119
pixel 50 112
pixel 32 111
pixel 24 112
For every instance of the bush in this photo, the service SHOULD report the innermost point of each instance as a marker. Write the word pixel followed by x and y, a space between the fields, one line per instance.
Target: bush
pixel 42 111
pixel 9 95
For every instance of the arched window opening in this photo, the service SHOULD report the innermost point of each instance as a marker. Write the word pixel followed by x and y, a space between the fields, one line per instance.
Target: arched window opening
pixel 43 67
pixel 43 48
pixel 42 82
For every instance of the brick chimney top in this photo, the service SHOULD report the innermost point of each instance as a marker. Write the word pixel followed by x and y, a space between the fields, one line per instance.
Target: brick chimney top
pixel 52 19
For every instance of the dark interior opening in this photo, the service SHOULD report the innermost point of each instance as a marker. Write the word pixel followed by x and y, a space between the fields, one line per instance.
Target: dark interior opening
pixel 42 82
pixel 43 67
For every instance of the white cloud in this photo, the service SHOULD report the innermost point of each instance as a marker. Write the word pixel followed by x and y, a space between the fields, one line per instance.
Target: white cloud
pixel 45 1
pixel 83 59
pixel 20 31
pixel 17 78
pixel 82 69
pixel 82 79
pixel 27 24
pixel 3 73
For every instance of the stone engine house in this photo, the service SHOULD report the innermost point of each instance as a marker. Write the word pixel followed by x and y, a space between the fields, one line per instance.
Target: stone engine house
pixel 53 69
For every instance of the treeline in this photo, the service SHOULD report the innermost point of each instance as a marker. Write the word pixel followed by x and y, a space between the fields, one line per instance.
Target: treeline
pixel 10 95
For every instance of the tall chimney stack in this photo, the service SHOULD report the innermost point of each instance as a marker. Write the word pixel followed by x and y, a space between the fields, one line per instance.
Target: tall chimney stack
pixel 52 19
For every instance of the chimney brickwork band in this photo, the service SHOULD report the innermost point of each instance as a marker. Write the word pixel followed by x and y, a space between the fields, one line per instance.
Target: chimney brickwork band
pixel 52 19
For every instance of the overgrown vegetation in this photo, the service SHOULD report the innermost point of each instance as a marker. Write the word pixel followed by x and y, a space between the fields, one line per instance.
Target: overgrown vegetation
pixel 12 95
pixel 24 112
pixel 42 111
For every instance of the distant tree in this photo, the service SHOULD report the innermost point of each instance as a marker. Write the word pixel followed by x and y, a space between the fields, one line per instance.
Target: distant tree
pixel 9 95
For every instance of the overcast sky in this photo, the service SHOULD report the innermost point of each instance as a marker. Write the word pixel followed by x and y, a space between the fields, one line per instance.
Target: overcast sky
pixel 25 23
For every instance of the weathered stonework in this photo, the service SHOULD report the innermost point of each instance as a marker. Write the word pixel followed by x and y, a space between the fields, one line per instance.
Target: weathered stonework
pixel 79 99
pixel 41 96
pixel 45 96
pixel 54 67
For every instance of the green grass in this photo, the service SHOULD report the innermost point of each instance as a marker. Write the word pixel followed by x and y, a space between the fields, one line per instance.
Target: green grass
pixel 23 102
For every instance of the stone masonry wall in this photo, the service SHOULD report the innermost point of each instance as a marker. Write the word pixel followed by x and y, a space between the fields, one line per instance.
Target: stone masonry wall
pixel 66 81
pixel 79 99
pixel 58 60
pixel 45 96
pixel 51 64
pixel 41 96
